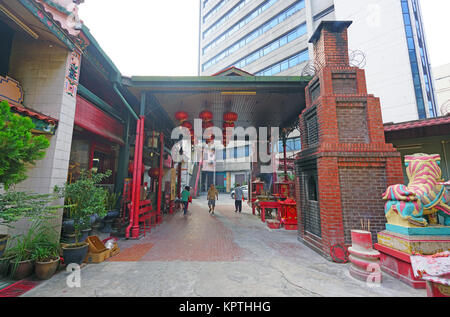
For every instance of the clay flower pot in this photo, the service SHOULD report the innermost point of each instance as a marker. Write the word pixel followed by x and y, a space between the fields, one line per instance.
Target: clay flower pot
pixel 3 241
pixel 45 270
pixel 75 253
pixel 22 269
pixel 5 266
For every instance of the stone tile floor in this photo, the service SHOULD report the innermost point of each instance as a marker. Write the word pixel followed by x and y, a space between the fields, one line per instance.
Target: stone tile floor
pixel 221 255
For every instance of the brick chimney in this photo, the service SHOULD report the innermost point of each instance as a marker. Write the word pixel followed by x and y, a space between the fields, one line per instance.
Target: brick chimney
pixel 331 44
pixel 345 164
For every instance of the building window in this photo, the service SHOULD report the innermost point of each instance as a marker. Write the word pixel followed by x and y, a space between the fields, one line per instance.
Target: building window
pixel 213 10
pixel 287 63
pixel 413 60
pixel 225 17
pixel 253 35
pixel 275 21
pixel 312 188
pixel 283 40
pixel 292 144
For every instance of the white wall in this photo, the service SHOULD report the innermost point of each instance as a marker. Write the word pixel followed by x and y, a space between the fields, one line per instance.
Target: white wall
pixel 378 31
pixel 41 69
pixel 442 86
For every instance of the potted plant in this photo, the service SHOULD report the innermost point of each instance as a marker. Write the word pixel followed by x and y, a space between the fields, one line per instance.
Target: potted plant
pixel 17 205
pixel 111 202
pixel 46 261
pixel 84 198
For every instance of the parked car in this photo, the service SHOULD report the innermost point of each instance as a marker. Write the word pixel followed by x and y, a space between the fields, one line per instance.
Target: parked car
pixel 244 190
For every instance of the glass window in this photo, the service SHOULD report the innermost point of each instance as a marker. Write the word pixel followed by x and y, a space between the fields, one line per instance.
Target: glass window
pixel 275 21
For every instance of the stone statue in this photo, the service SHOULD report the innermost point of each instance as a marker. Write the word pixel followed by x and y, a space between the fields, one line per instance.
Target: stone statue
pixel 425 197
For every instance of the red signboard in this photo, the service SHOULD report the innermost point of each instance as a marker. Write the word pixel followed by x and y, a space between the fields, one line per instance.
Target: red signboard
pixel 92 119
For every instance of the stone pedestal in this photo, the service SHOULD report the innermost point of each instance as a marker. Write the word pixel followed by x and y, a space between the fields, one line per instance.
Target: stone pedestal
pixel 397 244
pixel 365 261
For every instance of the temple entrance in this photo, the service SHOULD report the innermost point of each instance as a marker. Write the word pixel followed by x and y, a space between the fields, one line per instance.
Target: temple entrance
pixel 262 109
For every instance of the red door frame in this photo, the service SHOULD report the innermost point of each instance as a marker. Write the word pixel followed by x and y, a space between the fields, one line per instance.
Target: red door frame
pixel 137 179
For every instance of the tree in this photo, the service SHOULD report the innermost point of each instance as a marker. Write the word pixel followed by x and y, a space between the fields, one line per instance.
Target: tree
pixel 18 146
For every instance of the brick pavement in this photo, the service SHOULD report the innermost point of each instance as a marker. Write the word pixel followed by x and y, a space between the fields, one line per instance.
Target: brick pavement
pixel 198 236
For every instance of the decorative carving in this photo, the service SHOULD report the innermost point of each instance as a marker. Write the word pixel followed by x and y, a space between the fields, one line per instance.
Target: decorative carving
pixel 425 197
pixel 10 90
pixel 73 74
pixel 65 12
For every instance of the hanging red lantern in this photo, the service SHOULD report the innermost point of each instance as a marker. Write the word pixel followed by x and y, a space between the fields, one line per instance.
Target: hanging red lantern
pixel 228 125
pixel 187 125
pixel 181 116
pixel 206 115
pixel 207 124
pixel 230 117
pixel 131 168
pixel 153 172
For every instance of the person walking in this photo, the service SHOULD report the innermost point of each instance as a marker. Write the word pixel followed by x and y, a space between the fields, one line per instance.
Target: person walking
pixel 185 198
pixel 213 195
pixel 238 196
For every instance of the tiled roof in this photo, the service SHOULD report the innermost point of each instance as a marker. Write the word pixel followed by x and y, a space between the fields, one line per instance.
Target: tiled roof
pixel 232 70
pixel 417 124
pixel 30 113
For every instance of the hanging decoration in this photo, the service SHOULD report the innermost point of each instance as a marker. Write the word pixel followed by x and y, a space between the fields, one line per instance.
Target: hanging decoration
pixel 207 124
pixel 181 116
pixel 187 125
pixel 153 172
pixel 206 116
pixel 230 117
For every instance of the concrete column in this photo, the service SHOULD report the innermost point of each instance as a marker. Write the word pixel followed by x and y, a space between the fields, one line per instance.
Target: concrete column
pixel 41 68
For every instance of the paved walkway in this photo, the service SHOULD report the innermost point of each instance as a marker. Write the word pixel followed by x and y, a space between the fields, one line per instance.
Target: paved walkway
pixel 225 255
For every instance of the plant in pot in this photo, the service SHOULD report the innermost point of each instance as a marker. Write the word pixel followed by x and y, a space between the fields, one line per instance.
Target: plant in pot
pixel 39 209
pixel 111 201
pixel 85 198
pixel 46 252
pixel 19 147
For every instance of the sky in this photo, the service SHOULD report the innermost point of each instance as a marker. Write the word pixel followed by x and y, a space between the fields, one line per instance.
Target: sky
pixel 146 37
pixel 160 38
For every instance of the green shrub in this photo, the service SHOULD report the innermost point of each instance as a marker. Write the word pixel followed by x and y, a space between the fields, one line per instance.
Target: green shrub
pixel 18 146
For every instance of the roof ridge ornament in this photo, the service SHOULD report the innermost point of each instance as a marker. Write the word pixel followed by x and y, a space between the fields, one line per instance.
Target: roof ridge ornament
pixel 65 12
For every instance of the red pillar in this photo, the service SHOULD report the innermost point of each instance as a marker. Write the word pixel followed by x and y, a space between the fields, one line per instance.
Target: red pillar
pixel 161 158
pixel 137 176
pixel 179 180
pixel 134 182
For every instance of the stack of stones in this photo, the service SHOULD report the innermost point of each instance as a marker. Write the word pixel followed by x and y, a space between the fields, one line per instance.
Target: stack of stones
pixel 365 261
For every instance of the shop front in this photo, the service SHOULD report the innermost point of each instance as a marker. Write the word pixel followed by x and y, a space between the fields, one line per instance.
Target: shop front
pixel 97 139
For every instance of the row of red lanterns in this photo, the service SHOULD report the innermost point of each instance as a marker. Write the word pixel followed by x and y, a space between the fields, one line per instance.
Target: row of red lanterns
pixel 229 119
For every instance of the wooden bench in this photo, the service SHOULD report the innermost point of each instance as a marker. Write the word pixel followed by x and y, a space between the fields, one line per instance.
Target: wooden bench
pixel 147 216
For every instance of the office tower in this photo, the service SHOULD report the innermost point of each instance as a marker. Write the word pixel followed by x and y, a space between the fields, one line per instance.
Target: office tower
pixel 271 38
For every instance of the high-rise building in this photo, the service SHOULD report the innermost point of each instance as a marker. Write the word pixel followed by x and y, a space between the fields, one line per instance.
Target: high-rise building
pixel 270 38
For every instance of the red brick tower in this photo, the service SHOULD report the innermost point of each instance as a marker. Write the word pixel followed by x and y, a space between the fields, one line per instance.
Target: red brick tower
pixel 345 164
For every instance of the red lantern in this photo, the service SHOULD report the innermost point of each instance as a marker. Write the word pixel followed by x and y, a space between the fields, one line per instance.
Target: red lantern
pixel 153 172
pixel 181 116
pixel 131 168
pixel 230 117
pixel 187 125
pixel 228 125
pixel 207 124
pixel 206 116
